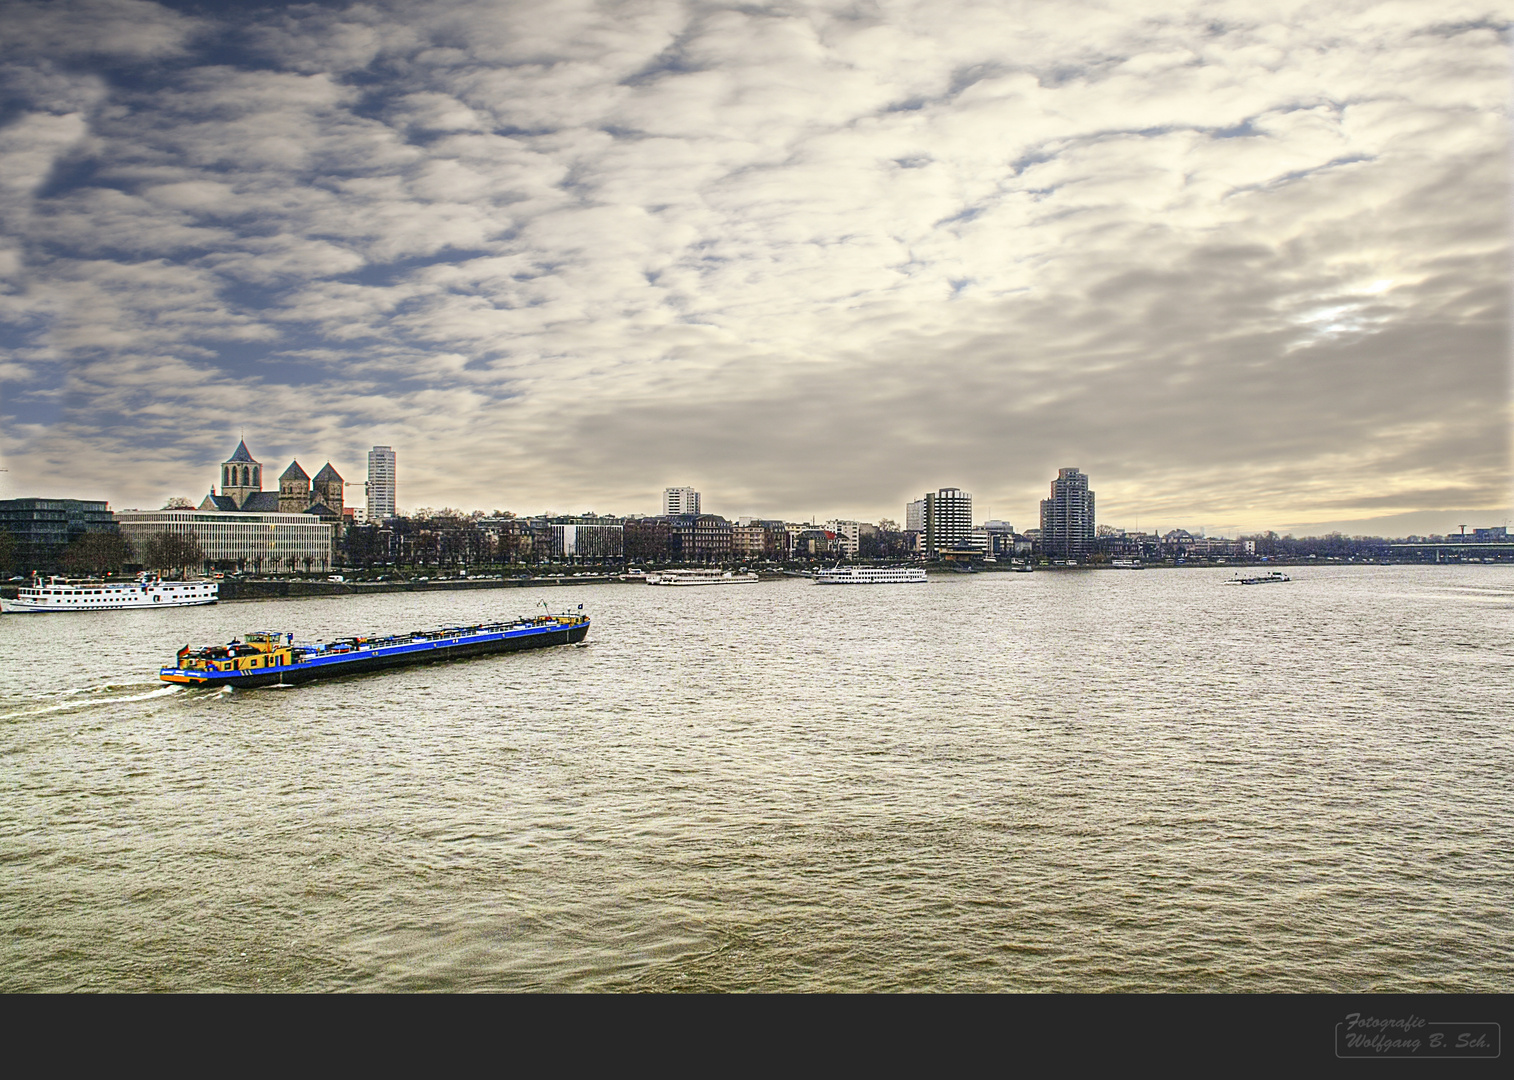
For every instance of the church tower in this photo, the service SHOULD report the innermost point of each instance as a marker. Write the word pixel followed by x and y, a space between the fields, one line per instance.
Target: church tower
pixel 294 490
pixel 241 476
pixel 328 489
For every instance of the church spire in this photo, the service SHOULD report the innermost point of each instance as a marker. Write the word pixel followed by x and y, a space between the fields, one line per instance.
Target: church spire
pixel 241 475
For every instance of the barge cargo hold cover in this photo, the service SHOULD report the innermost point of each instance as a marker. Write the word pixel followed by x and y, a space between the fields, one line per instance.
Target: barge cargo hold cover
pixel 272 659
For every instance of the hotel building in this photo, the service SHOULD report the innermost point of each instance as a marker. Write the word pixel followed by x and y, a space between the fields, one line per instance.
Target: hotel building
pixel 679 500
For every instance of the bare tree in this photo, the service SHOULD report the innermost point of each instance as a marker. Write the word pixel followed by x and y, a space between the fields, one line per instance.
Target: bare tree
pixel 172 551
pixel 97 553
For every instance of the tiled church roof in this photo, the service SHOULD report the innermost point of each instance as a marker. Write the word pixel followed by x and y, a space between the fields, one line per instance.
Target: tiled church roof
pixel 261 502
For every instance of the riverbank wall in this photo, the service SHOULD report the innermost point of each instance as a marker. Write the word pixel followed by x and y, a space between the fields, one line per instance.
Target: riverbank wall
pixel 294 589
pixel 277 588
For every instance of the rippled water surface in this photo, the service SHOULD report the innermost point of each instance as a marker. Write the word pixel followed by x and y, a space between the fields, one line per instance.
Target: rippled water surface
pixel 1051 781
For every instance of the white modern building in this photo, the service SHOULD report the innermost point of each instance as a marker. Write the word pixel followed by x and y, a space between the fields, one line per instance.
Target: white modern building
pixel 255 541
pixel 381 484
pixel 993 537
pixel 849 533
pixel 679 500
pixel 589 543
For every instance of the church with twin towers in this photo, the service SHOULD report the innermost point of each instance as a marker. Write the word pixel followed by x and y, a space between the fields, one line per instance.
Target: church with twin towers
pixel 242 490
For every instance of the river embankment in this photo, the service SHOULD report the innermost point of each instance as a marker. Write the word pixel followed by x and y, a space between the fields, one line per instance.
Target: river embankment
pixel 269 588
pixel 281 588
pixel 295 588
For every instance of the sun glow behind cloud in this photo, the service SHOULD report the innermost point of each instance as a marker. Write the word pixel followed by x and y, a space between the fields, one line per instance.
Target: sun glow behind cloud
pixel 808 257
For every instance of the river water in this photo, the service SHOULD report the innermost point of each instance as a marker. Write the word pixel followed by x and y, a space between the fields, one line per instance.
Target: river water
pixel 1040 782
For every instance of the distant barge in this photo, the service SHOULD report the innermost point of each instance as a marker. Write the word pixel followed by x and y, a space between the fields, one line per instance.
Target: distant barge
pixel 271 659
pixel 1264 579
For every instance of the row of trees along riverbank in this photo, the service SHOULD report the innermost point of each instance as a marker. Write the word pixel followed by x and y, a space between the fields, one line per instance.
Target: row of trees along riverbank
pixel 100 553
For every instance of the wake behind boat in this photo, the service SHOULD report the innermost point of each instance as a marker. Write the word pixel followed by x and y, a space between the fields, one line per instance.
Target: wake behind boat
pixel 267 658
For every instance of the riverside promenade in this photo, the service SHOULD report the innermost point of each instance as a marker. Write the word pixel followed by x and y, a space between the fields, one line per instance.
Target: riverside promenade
pixel 265 589
pixel 271 588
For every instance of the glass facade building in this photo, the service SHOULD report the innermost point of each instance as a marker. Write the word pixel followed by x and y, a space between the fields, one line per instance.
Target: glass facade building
pixel 43 528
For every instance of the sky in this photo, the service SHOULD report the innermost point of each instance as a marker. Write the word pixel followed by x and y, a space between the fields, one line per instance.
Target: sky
pixel 1245 264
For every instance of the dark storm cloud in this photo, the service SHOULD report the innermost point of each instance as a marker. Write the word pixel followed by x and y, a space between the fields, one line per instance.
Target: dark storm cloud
pixel 813 258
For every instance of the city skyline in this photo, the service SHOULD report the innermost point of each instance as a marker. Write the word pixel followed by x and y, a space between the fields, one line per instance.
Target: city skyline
pixel 809 260
pixel 383 458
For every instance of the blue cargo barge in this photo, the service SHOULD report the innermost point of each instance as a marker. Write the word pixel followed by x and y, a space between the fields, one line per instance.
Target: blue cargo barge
pixel 266 658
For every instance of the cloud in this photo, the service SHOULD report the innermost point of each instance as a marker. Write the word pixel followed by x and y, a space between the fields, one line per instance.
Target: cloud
pixel 811 257
pixel 74 29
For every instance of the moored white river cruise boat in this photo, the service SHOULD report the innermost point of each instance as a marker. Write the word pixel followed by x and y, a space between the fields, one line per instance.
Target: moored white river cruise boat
pixel 72 594
pixel 871 575
pixel 700 577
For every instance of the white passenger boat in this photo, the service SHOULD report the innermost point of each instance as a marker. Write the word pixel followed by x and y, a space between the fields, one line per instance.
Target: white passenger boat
pixel 700 577
pixel 871 575
pixel 147 591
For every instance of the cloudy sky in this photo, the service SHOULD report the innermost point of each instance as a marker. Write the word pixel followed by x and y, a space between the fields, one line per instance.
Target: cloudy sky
pixel 1246 264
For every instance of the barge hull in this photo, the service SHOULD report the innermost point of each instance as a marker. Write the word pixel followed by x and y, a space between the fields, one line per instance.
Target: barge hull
pixel 341 666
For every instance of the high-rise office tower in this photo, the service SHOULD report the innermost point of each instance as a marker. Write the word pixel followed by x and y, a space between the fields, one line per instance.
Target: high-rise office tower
pixel 1067 527
pixel 679 500
pixel 381 484
pixel 951 519
pixel 945 517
